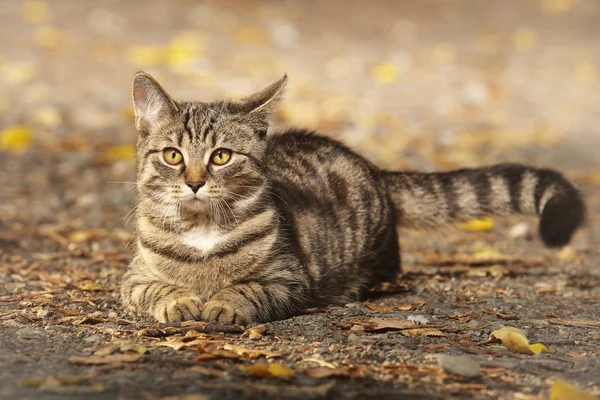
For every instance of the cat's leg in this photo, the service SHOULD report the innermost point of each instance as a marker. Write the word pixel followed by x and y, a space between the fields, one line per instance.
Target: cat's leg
pixel 257 301
pixel 143 293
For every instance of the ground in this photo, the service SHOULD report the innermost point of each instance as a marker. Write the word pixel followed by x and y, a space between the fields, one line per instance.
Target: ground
pixel 411 85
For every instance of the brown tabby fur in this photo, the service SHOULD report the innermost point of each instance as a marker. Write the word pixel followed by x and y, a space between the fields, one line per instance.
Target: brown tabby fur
pixel 294 220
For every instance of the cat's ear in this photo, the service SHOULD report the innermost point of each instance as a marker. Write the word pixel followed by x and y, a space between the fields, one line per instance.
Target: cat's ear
pixel 265 100
pixel 151 103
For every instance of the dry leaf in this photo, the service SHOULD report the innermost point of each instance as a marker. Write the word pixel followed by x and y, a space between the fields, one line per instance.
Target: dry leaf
pixel 569 253
pixel 399 307
pixel 477 225
pixel 376 324
pixel 269 370
pixel 515 340
pixel 251 353
pixel 561 390
pixel 15 139
pixel 422 332
pixel 109 359
pixel 90 287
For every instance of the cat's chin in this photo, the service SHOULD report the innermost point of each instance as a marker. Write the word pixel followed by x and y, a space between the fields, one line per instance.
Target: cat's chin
pixel 196 205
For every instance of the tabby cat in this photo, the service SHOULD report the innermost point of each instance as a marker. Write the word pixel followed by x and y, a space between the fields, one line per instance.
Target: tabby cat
pixel 236 226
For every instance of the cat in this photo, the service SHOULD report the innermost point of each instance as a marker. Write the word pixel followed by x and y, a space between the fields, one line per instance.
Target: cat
pixel 237 226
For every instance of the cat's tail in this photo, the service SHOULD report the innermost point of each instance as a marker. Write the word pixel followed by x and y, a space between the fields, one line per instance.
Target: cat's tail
pixel 428 200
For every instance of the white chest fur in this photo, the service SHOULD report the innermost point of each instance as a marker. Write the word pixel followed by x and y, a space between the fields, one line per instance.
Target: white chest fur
pixel 203 238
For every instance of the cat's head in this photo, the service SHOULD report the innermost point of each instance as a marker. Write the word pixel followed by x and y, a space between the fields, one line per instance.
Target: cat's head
pixel 198 156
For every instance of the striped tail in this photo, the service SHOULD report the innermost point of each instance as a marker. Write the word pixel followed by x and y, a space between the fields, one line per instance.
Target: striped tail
pixel 427 200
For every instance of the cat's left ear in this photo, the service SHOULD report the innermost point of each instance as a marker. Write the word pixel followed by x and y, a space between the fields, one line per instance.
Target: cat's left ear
pixel 151 103
pixel 265 100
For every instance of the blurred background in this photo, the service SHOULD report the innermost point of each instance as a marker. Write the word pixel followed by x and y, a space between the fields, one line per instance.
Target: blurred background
pixel 427 85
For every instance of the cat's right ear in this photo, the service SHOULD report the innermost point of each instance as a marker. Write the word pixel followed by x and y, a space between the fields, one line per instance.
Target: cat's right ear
pixel 151 103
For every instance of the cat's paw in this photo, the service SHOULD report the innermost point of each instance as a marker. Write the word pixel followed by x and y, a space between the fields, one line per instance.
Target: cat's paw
pixel 180 309
pixel 227 313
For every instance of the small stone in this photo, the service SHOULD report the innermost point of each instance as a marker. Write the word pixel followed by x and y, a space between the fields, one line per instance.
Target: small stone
pixel 357 328
pixel 520 230
pixel 460 365
pixel 93 339
pixel 30 333
pixel 44 313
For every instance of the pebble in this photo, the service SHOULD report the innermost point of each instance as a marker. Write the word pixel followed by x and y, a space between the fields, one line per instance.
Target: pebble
pixel 460 365
pixel 44 313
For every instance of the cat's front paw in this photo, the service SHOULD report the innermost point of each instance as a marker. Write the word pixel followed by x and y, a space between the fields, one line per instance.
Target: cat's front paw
pixel 227 313
pixel 180 309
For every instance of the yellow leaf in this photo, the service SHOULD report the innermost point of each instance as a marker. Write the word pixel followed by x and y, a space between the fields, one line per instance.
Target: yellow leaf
pixel 90 287
pixel 124 152
pixel 15 139
pixel 146 56
pixel 514 340
pixel 538 348
pixel 569 253
pixel 557 6
pixel 47 37
pixel 385 73
pixel 561 390
pixel 525 39
pixel 478 225
pixel 34 11
pixel 269 370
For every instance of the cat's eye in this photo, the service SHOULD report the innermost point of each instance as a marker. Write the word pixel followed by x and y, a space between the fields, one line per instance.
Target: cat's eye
pixel 220 156
pixel 172 156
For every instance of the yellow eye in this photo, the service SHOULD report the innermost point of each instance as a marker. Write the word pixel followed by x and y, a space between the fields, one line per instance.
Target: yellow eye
pixel 220 156
pixel 172 156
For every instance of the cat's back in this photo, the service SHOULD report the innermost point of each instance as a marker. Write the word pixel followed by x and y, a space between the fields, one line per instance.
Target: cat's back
pixel 331 199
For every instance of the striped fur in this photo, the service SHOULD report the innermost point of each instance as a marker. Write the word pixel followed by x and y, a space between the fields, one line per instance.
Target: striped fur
pixel 293 220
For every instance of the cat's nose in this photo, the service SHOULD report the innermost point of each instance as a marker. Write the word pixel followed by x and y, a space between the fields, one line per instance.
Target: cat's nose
pixel 195 185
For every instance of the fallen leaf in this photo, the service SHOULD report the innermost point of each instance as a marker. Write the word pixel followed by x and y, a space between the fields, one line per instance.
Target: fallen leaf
pixel 109 359
pixel 561 390
pixel 251 353
pixel 422 332
pixel 477 225
pixel 569 253
pixel 273 370
pixel 90 287
pixel 515 340
pixel 377 324
pixel 15 139
pixel 87 235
